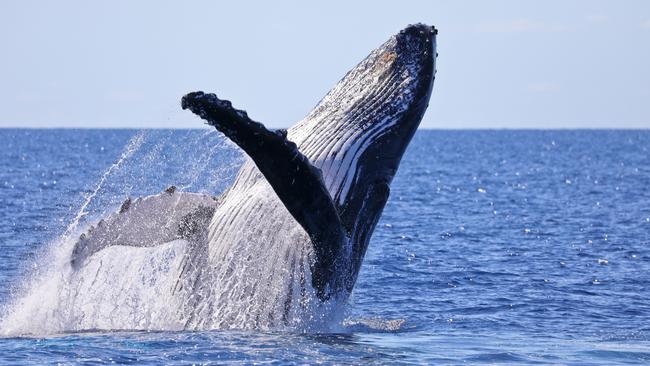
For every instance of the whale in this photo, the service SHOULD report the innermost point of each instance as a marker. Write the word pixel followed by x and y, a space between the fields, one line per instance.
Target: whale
pixel 287 239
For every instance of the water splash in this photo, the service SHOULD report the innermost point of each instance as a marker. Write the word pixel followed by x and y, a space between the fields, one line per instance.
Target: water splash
pixel 121 287
pixel 373 325
pixel 133 145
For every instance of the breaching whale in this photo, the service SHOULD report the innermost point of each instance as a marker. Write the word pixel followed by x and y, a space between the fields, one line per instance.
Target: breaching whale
pixel 291 232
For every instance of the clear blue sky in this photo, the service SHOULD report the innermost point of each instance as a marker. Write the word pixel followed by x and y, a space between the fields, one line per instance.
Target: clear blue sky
pixel 512 64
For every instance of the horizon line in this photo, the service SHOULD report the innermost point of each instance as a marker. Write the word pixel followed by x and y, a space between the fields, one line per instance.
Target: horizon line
pixel 419 128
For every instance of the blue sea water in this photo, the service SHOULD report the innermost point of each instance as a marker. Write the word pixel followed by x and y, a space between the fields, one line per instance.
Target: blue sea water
pixel 496 247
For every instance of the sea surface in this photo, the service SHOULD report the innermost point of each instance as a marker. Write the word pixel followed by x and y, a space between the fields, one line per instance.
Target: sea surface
pixel 495 247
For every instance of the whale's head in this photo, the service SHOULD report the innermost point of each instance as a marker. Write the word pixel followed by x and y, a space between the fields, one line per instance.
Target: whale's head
pixel 359 131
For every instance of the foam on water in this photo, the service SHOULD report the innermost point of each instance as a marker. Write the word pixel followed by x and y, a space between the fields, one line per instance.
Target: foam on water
pixel 119 288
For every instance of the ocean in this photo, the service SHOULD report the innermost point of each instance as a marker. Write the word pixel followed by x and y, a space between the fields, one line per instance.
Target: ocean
pixel 495 247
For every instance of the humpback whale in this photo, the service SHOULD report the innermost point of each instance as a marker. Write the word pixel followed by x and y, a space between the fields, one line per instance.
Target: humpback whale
pixel 290 234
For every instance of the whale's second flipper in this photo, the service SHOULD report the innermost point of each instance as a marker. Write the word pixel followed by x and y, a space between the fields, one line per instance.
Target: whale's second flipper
pixel 291 175
pixel 148 222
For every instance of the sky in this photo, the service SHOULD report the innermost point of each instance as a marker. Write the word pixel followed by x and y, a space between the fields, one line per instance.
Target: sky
pixel 501 64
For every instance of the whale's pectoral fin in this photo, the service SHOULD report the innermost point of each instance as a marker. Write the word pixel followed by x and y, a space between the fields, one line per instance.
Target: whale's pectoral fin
pixel 148 222
pixel 294 179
